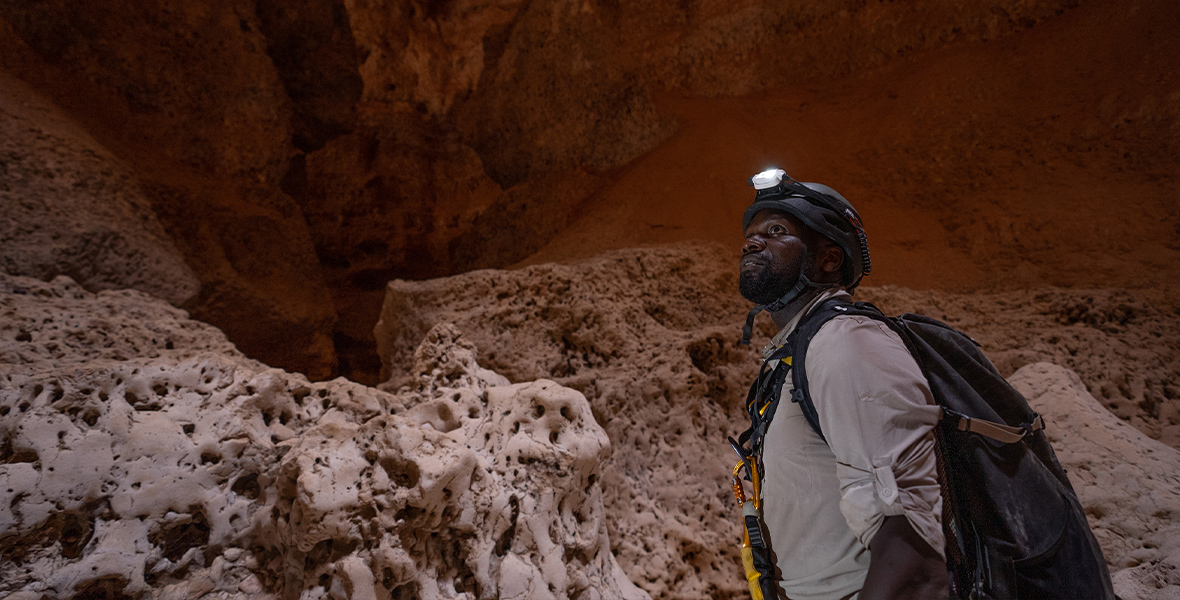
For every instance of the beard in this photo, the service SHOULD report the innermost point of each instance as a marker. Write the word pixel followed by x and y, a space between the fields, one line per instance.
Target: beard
pixel 763 283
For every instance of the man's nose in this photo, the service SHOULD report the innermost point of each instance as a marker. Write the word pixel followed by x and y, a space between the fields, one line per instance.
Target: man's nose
pixel 752 244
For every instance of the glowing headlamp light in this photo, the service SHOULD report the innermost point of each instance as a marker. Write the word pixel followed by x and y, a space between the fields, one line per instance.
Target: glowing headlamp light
pixel 775 186
pixel 768 179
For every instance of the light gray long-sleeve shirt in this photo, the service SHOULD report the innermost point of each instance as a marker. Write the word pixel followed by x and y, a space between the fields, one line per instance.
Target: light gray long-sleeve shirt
pixel 824 502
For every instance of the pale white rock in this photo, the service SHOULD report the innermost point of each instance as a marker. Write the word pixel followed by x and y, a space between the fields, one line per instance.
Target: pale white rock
pixel 161 463
pixel 49 325
pixel 1128 483
pixel 502 491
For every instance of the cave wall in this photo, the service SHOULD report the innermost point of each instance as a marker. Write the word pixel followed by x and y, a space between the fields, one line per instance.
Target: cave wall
pixel 143 456
pixel 186 96
pixel 71 207
pixel 301 154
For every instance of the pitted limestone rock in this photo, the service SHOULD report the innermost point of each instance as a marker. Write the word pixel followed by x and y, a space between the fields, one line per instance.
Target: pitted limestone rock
pixel 47 325
pixel 445 359
pixel 507 504
pixel 180 469
pixel 147 472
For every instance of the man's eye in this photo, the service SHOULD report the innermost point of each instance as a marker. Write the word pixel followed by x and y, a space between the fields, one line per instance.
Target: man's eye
pixel 777 229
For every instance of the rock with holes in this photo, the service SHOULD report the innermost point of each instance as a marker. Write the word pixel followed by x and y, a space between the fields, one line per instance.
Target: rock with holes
pixel 506 504
pixel 49 325
pixel 479 490
pixel 139 475
pixel 142 456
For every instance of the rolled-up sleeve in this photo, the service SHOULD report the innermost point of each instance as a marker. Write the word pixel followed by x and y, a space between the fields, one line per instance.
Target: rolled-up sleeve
pixel 877 413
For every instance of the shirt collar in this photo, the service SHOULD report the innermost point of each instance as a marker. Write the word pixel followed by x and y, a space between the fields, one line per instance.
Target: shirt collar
pixel 781 338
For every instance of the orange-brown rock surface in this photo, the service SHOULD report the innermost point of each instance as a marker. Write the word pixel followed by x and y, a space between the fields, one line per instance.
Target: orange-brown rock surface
pixel 302 154
pixel 270 167
pixel 186 96
pixel 70 208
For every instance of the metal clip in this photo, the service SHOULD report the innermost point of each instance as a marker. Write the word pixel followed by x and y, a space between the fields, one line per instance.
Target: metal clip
pixel 739 491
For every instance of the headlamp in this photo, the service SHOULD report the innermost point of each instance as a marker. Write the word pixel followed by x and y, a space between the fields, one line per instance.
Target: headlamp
pixel 774 184
pixel 768 179
pixel 775 189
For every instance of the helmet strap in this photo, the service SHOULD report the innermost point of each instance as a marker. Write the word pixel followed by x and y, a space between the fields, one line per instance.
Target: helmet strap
pixel 802 284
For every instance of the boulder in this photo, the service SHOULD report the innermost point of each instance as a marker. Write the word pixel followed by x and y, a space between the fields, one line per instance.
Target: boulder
pixel 1128 483
pixel 143 456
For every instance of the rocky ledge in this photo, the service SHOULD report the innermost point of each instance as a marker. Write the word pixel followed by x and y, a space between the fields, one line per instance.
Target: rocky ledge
pixel 142 456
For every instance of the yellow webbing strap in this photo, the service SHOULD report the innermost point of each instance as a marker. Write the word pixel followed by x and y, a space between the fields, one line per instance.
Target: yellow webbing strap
pixel 752 575
pixel 998 431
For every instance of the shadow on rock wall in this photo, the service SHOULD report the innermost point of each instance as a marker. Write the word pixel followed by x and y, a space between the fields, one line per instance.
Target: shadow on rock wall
pixel 298 153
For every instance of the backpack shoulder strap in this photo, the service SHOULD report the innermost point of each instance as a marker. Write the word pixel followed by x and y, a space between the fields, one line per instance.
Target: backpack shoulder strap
pixel 800 339
pixel 1007 434
pixel 763 397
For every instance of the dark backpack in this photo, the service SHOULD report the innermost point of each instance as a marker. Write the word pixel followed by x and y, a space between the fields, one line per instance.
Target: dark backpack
pixel 1013 524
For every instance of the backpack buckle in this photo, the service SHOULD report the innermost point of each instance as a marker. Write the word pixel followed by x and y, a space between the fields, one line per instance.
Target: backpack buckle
pixel 1036 424
pixel 955 418
pixel 797 395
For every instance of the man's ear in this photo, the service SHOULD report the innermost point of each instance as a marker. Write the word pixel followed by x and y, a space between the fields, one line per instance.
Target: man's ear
pixel 830 261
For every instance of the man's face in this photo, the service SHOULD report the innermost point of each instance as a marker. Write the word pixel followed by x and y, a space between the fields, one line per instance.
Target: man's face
pixel 773 255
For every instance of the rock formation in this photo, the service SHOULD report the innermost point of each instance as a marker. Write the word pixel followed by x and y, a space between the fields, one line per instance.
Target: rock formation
pixel 270 166
pixel 1128 483
pixel 207 144
pixel 356 142
pixel 71 208
pixel 141 455
pixel 648 335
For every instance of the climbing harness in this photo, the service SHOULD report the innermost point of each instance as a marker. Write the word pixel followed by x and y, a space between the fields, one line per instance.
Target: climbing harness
pixel 757 558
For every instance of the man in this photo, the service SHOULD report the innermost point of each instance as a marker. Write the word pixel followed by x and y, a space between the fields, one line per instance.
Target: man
pixel 858 514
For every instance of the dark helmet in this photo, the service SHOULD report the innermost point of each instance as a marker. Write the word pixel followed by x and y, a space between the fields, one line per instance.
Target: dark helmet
pixel 822 209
